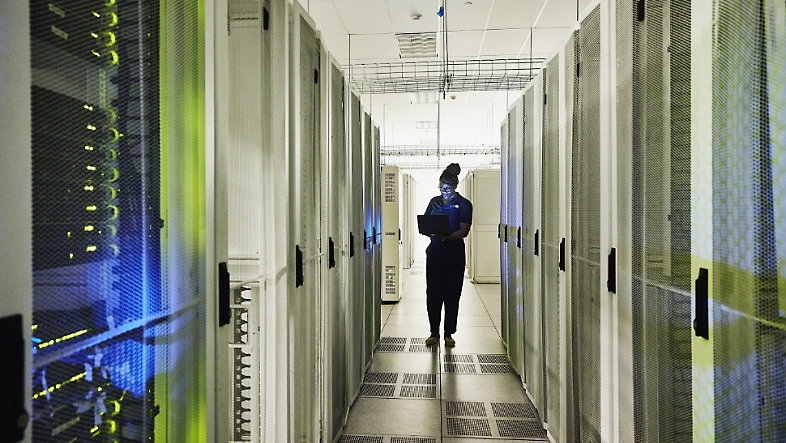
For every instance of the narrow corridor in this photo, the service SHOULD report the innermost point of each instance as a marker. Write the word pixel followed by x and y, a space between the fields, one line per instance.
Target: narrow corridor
pixel 415 394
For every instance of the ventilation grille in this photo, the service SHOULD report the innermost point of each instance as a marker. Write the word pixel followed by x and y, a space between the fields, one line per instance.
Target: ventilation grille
pixel 465 408
pixel 469 427
pixel 417 45
pixel 391 286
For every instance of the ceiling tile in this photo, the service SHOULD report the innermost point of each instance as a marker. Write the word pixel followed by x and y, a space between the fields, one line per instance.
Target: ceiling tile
pixel 364 16
pixel 504 44
pixel 327 18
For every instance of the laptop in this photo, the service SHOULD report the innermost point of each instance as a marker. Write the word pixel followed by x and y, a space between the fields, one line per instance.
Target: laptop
pixel 433 224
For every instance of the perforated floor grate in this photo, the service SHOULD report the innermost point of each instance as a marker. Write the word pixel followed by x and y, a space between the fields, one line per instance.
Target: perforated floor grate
pixel 360 439
pixel 384 347
pixel 393 340
pixel 514 410
pixel 496 369
pixel 380 377
pixel 465 408
pixel 469 426
pixel 460 368
pixel 500 359
pixel 418 391
pixel 420 379
pixel 417 341
pixel 412 440
pixel 458 358
pixel 521 429
pixel 423 348
pixel 370 390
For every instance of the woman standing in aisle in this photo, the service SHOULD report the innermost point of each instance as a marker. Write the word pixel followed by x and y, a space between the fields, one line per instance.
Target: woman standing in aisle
pixel 445 256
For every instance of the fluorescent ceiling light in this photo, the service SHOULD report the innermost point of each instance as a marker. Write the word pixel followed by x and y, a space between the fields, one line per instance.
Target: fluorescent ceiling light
pixel 419 45
pixel 422 97
pixel 432 124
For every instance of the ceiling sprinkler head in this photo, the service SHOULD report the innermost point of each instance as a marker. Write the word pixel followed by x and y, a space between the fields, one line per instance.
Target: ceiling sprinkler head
pixel 415 16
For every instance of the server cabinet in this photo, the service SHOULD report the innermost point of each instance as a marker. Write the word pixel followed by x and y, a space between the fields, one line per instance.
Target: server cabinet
pixel 585 233
pixel 336 300
pixel 357 248
pixel 531 324
pixel 118 341
pixel 659 216
pixel 305 198
pixel 552 260
pixel 515 276
pixel 502 233
pixel 16 271
pixel 372 215
pixel 408 229
pixel 482 187
pixel 743 281
pixel 392 214
pixel 376 157
pixel 246 153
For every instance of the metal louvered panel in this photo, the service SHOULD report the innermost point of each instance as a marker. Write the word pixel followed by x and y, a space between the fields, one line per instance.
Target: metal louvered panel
pixel 660 233
pixel 748 328
pixel 585 232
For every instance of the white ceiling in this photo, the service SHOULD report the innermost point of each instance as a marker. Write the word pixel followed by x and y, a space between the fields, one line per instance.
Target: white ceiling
pixel 364 32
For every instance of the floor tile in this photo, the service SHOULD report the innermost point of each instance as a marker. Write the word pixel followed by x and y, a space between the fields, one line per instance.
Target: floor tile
pixel 506 388
pixel 374 416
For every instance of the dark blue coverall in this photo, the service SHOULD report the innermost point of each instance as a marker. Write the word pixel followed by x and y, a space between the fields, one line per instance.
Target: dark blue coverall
pixel 445 262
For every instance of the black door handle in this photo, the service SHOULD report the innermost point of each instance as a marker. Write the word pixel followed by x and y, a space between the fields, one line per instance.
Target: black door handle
pixel 701 324
pixel 13 416
pixel 298 267
pixel 351 244
pixel 224 313
pixel 562 255
pixel 611 283
pixel 537 242
pixel 331 253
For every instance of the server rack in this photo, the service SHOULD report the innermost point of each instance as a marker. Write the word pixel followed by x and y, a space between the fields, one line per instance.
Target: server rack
pixel 357 247
pixel 408 229
pixel 532 325
pixel 112 249
pixel 503 236
pixel 482 187
pixel 515 277
pixel 250 231
pixel 392 215
pixel 338 271
pixel 306 200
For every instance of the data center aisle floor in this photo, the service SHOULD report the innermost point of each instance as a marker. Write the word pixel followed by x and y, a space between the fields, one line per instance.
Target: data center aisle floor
pixel 417 394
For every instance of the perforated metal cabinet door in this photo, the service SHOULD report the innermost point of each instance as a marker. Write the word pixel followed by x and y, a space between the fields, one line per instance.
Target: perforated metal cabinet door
pixel 376 157
pixel 243 339
pixel 358 259
pixel 550 271
pixel 585 233
pixel 531 318
pixel 515 277
pixel 660 230
pixel 747 323
pixel 338 271
pixel 369 215
pixel 305 199
pixel 503 244
pixel 116 225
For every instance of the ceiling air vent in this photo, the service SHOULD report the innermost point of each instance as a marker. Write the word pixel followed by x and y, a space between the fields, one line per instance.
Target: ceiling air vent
pixel 419 45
